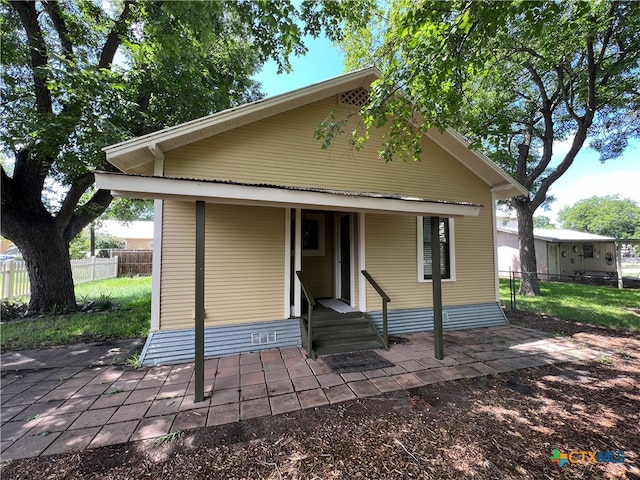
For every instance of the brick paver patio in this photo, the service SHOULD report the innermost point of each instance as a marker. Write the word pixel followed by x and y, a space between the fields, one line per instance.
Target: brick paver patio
pixel 59 410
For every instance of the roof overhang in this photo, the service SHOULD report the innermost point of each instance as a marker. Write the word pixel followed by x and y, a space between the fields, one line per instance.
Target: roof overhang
pixel 562 235
pixel 139 154
pixel 503 186
pixel 224 192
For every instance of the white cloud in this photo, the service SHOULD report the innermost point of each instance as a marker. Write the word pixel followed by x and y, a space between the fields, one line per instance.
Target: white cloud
pixel 625 183
pixel 561 147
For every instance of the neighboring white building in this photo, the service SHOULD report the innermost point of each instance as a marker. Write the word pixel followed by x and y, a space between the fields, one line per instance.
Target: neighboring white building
pixel 504 220
pixel 559 253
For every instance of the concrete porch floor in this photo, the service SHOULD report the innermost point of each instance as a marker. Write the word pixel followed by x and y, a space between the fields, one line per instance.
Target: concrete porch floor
pixel 56 410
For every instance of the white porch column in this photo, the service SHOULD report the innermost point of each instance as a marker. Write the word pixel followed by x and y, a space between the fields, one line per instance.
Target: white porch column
pixel 362 284
pixel 297 294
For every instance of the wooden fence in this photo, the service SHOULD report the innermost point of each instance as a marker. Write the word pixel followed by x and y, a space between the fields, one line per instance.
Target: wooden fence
pixel 14 279
pixel 133 262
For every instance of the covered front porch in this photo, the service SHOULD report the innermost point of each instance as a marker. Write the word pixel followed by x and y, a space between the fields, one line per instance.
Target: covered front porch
pixel 346 209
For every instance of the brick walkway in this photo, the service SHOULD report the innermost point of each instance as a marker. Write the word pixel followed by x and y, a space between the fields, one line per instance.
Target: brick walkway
pixel 59 410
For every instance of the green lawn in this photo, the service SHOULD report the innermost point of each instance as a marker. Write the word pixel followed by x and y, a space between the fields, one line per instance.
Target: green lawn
pixel 130 318
pixel 132 296
pixel 604 306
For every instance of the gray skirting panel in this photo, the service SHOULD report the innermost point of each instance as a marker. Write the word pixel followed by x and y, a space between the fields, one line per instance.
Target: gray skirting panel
pixel 177 346
pixel 453 318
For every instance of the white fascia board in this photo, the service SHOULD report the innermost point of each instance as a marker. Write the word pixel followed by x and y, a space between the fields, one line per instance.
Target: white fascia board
pixel 192 190
pixel 455 144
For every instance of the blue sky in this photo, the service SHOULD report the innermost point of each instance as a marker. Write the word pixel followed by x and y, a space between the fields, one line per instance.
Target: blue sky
pixel 587 177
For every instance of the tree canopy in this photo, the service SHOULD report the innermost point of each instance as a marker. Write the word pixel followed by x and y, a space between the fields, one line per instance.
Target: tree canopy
pixel 610 215
pixel 78 75
pixel 514 77
pixel 542 221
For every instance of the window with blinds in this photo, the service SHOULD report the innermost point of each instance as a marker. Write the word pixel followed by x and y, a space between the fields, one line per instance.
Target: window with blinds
pixel 444 245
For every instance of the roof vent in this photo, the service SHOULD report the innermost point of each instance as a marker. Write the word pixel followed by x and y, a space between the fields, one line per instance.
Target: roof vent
pixel 357 97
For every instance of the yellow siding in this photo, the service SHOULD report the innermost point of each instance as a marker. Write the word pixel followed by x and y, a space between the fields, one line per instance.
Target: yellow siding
pixel 244 269
pixel 177 284
pixel 392 260
pixel 281 150
pixel 245 264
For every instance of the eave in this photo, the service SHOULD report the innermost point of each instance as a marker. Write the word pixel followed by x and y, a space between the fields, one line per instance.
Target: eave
pixel 139 154
pixel 224 192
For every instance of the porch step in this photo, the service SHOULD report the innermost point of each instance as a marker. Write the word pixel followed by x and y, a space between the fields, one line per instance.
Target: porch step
pixel 341 333
pixel 348 347
pixel 344 335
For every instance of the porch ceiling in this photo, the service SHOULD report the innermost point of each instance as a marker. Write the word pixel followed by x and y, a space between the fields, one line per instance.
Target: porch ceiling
pixel 226 192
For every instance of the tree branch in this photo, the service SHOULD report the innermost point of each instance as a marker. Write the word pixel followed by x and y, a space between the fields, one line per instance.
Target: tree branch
pixel 70 202
pixel 607 37
pixel 523 156
pixel 115 37
pixel 7 197
pixel 19 208
pixel 87 213
pixel 548 135
pixel 576 145
pixel 591 81
pixel 38 52
pixel 29 175
pixel 565 95
pixel 53 9
pixel 537 80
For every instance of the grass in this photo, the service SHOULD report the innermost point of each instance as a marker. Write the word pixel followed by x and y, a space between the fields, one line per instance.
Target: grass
pixel 168 438
pixel 132 298
pixel 605 306
pixel 130 318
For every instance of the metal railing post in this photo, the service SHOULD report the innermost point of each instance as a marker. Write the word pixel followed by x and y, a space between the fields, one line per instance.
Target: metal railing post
pixel 309 331
pixel 312 302
pixel 385 300
pixel 384 324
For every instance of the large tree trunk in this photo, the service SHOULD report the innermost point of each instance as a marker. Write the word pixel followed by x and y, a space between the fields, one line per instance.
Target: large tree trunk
pixel 28 224
pixel 529 284
pixel 46 256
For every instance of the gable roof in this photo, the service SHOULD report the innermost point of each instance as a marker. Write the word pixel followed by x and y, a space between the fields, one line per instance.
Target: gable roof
pixel 562 235
pixel 138 155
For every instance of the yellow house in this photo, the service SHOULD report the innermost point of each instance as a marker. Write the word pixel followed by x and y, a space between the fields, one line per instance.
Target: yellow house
pixel 245 198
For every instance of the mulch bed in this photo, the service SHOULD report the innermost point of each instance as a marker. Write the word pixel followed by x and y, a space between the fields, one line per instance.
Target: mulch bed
pixel 495 427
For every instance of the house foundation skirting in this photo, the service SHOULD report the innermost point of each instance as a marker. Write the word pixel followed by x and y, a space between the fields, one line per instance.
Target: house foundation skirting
pixel 177 346
pixel 453 318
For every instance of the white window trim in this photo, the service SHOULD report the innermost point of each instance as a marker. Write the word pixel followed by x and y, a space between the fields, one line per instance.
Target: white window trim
pixel 420 249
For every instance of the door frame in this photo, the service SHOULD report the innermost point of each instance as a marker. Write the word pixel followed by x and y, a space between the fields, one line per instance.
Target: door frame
pixel 553 259
pixel 338 216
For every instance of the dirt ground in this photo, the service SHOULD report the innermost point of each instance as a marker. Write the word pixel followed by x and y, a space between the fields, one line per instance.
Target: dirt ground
pixel 495 427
